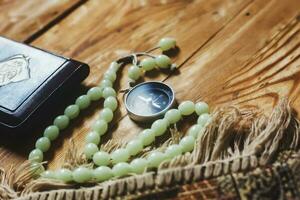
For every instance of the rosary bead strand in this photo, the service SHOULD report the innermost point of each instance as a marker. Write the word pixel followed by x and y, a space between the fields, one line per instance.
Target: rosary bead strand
pixel 173 116
pixel 173 151
pixel 134 72
pixel 62 122
pixel 195 130
pixel 166 44
pixel 43 144
pixel 163 61
pixel 93 137
pixel 203 119
pixel 51 132
pixel 119 158
pixel 101 158
pixel 120 166
pixel 186 108
pixel 201 108
pixel 102 173
pixel 148 64
pixel 187 143
pixel 83 102
pixel 95 93
pixel 64 174
pixel 139 165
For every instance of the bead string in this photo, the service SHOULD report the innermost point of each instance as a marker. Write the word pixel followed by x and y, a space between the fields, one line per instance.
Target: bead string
pixel 118 159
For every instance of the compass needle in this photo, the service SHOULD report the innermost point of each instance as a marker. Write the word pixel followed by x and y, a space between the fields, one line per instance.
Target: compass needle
pixel 155 105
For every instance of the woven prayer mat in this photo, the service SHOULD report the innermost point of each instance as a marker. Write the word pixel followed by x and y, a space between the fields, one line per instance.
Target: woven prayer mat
pixel 240 155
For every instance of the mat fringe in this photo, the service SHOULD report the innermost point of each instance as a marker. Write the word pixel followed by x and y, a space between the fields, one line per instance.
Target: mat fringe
pixel 236 139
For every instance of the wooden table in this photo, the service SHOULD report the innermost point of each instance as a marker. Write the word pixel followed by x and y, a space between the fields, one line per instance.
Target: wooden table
pixel 231 52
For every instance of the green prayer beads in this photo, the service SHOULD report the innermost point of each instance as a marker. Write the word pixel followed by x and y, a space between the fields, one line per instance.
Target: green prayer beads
pixel 43 144
pixel 102 173
pixel 64 175
pixel 166 44
pixel 83 102
pixel 82 175
pixel 72 111
pixel 114 164
pixel 51 132
pixel 95 93
pixel 61 122
pixel 36 155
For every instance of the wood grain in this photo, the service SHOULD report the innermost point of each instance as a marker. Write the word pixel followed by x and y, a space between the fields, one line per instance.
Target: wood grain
pixel 262 42
pixel 126 32
pixel 22 19
pixel 254 66
pixel 231 52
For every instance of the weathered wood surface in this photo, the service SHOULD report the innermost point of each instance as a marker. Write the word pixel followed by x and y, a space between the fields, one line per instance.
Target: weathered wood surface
pixel 231 52
pixel 21 20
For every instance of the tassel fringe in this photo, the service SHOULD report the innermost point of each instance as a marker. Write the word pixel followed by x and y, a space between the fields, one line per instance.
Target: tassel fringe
pixel 236 139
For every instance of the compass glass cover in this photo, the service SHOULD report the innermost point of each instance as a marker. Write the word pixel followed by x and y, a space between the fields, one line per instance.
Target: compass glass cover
pixel 149 98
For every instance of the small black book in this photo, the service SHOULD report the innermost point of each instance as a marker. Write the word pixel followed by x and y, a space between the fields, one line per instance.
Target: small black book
pixel 30 79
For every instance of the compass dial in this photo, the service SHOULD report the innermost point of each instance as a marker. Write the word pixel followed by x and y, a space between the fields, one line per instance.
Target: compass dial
pixel 149 100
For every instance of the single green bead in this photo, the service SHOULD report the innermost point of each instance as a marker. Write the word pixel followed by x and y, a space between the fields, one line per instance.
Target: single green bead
pixel 148 64
pixel 110 75
pixel 139 165
pixel 195 130
pixel 82 175
pixel 72 111
pixel 114 66
pixel 106 114
pixel 51 132
pixel 155 159
pixel 36 155
pixel 93 137
pixel 119 155
pixel 61 121
pixel 95 93
pixel 187 143
pixel 109 91
pixel 203 119
pixel 101 158
pixel 121 169
pixel 163 61
pixel 173 151
pixel 111 103
pixel 48 174
pixel 201 108
pixel 102 173
pixel 173 116
pixel 135 146
pixel 147 136
pixel 160 126
pixel 186 108
pixel 83 102
pixel 166 44
pixel 100 126
pixel 43 144
pixel 134 72
pixel 64 175
pixel 90 149
pixel 36 168
pixel 106 83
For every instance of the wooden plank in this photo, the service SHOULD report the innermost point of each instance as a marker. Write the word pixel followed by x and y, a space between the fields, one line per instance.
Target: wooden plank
pixel 21 19
pixel 216 39
pixel 109 28
pixel 252 61
pixel 104 36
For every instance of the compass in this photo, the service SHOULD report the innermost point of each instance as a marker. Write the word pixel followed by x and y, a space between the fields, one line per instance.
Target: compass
pixel 149 100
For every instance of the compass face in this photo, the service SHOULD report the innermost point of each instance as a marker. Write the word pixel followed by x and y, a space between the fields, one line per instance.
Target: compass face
pixel 149 100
